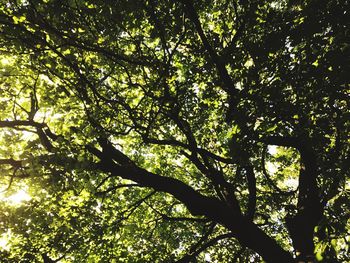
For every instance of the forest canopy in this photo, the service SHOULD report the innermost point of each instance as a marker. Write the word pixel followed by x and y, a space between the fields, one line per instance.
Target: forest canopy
pixel 174 131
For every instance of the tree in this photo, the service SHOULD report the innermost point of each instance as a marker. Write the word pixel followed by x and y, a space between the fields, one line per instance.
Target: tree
pixel 175 131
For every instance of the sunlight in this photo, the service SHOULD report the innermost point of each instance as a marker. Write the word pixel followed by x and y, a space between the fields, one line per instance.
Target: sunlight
pixel 4 243
pixel 271 167
pixel 17 198
pixel 4 240
pixel 5 61
pixel 291 183
pixel 272 149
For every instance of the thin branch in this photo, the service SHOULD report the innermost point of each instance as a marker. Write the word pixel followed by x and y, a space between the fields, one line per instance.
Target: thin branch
pixel 16 165
pixel 15 123
pixel 113 188
pixel 172 218
pixel 201 151
pixel 42 130
pixel 212 242
pixel 134 206
pixel 220 66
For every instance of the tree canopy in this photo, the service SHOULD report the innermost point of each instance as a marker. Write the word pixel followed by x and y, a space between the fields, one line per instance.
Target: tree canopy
pixel 174 131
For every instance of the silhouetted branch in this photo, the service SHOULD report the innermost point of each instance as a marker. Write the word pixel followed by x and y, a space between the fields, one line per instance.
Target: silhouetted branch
pixel 188 258
pixel 252 192
pixel 16 123
pixel 113 188
pixel 220 66
pixel 12 162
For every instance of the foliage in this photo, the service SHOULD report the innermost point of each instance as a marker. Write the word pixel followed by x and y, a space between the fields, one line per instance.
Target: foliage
pixel 163 131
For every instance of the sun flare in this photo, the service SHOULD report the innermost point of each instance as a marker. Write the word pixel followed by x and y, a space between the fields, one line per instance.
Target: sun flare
pixel 16 198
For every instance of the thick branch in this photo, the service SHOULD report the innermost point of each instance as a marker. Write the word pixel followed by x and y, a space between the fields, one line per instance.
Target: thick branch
pixel 42 130
pixel 252 192
pixel 285 141
pixel 310 209
pixel 243 229
pixel 12 162
pixel 47 259
pixel 109 150
pixel 16 123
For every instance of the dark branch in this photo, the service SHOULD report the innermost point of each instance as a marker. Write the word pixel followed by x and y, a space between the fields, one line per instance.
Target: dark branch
pixel 220 66
pixel 113 188
pixel 174 218
pixel 16 123
pixel 284 141
pixel 200 205
pixel 12 162
pixel 212 242
pixel 252 192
